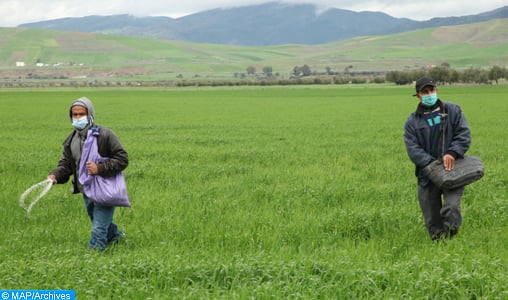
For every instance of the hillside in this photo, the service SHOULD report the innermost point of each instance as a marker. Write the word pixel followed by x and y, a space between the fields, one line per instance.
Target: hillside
pixel 72 54
pixel 272 23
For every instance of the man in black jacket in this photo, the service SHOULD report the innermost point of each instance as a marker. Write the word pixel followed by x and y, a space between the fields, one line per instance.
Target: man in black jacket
pixel 423 136
pixel 82 115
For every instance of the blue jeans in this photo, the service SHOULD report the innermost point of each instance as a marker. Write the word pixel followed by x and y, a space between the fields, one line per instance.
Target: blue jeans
pixel 104 231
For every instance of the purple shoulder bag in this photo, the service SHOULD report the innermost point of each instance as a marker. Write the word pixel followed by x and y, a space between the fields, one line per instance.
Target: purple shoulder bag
pixel 107 191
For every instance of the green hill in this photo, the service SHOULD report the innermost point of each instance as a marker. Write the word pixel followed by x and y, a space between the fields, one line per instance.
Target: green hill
pixel 73 54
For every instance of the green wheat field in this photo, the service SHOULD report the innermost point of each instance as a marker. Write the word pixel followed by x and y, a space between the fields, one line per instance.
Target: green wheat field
pixel 254 193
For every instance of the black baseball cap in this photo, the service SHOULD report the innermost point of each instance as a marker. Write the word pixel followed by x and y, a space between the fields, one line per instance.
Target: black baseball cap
pixel 423 82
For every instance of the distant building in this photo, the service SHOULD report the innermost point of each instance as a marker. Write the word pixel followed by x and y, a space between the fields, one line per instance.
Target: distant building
pixel 20 64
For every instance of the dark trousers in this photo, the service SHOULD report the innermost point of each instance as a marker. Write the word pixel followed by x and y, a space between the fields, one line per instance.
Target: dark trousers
pixel 441 210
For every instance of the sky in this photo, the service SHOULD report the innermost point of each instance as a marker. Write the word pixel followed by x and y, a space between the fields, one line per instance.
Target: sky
pixel 16 12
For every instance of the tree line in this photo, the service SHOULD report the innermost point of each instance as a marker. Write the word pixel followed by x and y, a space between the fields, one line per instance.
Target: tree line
pixel 300 75
pixel 446 75
pixel 442 74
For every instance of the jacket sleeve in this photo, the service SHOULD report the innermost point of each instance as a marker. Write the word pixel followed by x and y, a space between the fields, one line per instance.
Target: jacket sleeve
pixel 415 150
pixel 459 135
pixel 111 147
pixel 65 167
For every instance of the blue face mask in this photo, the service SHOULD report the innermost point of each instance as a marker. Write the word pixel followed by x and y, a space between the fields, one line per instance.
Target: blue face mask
pixel 80 123
pixel 429 100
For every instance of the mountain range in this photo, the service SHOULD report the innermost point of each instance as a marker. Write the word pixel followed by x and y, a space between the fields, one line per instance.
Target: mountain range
pixel 266 24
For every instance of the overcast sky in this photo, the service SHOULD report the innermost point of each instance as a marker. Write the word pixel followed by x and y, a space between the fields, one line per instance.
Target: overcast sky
pixel 15 12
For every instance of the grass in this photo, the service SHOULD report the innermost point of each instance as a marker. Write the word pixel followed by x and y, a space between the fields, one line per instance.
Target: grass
pixel 278 192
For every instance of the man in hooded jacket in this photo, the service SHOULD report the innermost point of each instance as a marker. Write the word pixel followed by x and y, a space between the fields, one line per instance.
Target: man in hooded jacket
pixel 82 116
pixel 436 130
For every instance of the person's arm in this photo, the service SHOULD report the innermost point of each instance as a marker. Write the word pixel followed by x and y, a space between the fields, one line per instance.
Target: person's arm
pixel 460 140
pixel 415 151
pixel 64 169
pixel 111 147
pixel 461 135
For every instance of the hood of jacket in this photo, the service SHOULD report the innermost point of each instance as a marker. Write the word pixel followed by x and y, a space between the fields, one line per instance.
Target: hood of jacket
pixel 86 103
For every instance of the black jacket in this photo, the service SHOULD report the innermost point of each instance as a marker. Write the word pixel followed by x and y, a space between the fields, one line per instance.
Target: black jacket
pixel 417 137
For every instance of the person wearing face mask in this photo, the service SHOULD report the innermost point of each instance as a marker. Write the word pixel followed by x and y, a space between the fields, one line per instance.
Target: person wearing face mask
pixel 82 117
pixel 424 140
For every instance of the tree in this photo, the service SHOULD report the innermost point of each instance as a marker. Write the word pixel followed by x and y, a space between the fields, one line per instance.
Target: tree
pixel 455 76
pixel 440 74
pixel 297 71
pixel 268 71
pixel 251 70
pixel 302 71
pixel 399 77
pixel 496 73
pixel 475 76
pixel 306 71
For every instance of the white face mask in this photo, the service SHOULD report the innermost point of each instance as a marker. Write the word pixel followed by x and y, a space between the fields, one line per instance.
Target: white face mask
pixel 80 123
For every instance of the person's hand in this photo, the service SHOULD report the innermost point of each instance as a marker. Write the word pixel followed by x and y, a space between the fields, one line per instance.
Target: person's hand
pixel 52 177
pixel 92 168
pixel 448 162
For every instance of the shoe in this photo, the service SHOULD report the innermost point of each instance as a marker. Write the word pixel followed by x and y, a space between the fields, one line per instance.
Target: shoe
pixel 439 236
pixel 116 238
